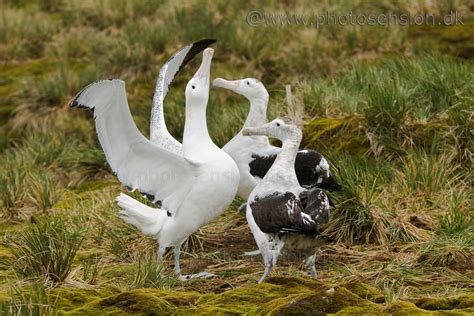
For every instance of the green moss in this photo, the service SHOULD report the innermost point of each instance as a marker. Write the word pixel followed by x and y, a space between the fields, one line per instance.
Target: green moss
pixel 94 185
pixel 362 310
pixel 280 296
pixel 456 40
pixel 68 299
pixel 346 134
pixel 446 303
pixel 404 308
pixel 366 291
pixel 140 301
pixel 322 302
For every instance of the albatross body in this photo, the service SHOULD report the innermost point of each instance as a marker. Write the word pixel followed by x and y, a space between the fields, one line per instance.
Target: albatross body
pixel 193 187
pixel 254 155
pixel 282 215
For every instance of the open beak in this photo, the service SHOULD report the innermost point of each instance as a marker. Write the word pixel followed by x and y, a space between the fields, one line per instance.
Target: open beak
pixel 226 84
pixel 261 130
pixel 204 70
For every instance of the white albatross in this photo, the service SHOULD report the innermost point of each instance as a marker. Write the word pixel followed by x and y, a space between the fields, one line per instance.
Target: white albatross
pixel 159 133
pixel 282 215
pixel 254 155
pixel 194 188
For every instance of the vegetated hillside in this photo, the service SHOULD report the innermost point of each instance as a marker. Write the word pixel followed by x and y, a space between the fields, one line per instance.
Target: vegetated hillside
pixel 391 106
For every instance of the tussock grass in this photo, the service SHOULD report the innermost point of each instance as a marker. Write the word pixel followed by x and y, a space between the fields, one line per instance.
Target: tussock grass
pixel 359 216
pixel 12 192
pixel 35 301
pixel 390 108
pixel 148 274
pixel 43 99
pixel 455 252
pixel 46 250
pixel 37 172
pixel 91 269
pixel 27 35
pixel 45 191
pixel 458 219
pixel 426 176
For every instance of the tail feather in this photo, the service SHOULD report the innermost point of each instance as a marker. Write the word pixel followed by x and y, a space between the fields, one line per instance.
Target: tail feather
pixel 147 219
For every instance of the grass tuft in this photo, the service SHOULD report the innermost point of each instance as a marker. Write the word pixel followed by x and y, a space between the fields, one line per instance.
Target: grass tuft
pixel 148 274
pixel 46 250
pixel 33 302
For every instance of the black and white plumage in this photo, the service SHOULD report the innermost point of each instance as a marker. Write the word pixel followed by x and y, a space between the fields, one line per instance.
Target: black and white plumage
pixel 194 187
pixel 287 212
pixel 159 134
pixel 283 216
pixel 254 155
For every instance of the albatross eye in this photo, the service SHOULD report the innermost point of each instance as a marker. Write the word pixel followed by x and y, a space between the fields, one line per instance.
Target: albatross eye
pixel 248 83
pixel 278 124
pixel 192 87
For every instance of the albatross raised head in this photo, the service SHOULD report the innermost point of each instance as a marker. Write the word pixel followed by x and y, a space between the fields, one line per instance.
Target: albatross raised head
pixel 197 89
pixel 196 136
pixel 281 128
pixel 250 88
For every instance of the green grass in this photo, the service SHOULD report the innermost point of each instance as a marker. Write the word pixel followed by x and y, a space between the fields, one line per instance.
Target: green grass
pixel 34 302
pixel 148 274
pixel 390 106
pixel 46 250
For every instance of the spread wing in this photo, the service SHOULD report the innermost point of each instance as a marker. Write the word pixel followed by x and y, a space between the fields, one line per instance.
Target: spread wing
pixel 159 134
pixel 138 163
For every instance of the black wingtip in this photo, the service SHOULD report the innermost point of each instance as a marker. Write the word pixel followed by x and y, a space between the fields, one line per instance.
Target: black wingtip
pixel 196 48
pixel 205 41
pixel 74 103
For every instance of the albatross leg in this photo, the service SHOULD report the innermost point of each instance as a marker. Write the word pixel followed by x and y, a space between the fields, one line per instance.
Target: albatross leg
pixel 177 253
pixel 311 265
pixel 269 262
pixel 161 253
pixel 177 268
pixel 268 269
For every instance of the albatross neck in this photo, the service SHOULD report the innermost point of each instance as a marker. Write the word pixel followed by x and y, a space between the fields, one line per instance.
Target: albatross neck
pixel 283 169
pixel 196 136
pixel 157 116
pixel 258 112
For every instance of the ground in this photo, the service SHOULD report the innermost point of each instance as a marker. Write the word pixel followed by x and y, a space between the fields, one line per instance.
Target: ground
pixel 391 107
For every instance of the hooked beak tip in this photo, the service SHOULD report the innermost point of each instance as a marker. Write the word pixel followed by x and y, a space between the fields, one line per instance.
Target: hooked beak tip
pixel 204 69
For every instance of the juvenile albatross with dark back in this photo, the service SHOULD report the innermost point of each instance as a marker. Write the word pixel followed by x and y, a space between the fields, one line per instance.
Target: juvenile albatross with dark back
pixel 282 215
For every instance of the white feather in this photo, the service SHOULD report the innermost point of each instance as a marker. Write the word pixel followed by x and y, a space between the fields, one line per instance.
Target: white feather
pixel 137 162
pixel 148 220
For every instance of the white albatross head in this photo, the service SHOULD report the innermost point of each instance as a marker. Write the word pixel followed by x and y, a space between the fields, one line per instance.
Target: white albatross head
pixel 250 88
pixel 281 128
pixel 197 89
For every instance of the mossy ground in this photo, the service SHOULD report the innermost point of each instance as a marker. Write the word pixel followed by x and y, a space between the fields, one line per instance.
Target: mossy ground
pixel 391 107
